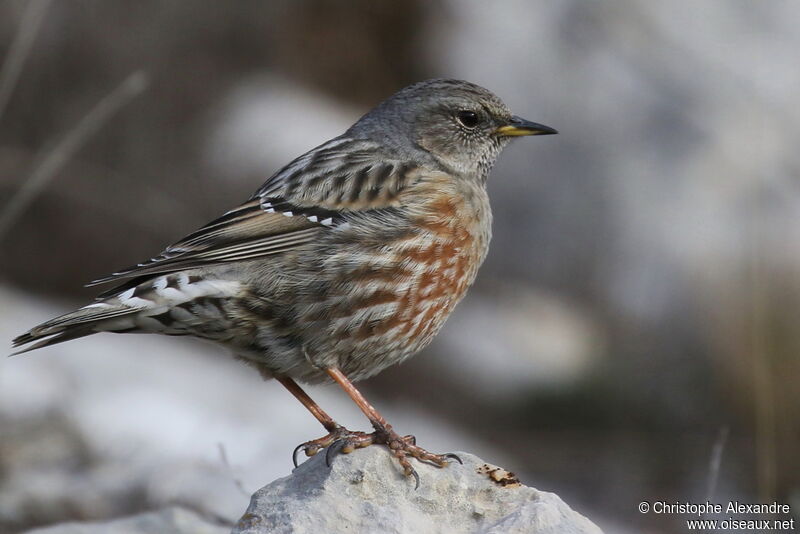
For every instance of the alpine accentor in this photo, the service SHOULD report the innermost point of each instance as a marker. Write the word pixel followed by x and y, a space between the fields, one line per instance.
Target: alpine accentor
pixel 344 262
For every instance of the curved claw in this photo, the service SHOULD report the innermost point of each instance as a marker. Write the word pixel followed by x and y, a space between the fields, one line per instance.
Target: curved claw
pixel 416 479
pixel 333 450
pixel 454 457
pixel 294 454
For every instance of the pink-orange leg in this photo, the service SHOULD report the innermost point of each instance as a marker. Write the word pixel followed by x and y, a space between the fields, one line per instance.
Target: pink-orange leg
pixel 401 446
pixel 336 432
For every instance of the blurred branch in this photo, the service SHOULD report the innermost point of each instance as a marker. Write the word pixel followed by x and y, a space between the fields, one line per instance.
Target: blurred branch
pixel 223 454
pixel 56 158
pixel 763 380
pixel 716 460
pixel 18 52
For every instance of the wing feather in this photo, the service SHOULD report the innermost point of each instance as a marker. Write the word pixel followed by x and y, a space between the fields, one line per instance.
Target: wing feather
pixel 343 175
pixel 251 232
pixel 312 194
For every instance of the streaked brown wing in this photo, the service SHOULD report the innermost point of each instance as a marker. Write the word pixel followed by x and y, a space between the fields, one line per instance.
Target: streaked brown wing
pixel 311 194
pixel 343 174
pixel 246 232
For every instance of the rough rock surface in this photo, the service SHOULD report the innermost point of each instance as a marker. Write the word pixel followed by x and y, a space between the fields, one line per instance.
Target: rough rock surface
pixel 364 492
pixel 169 520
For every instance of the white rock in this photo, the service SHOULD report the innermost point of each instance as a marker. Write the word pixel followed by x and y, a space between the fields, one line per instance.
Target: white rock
pixel 365 492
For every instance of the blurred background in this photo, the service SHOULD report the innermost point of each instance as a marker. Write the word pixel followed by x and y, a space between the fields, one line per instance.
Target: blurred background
pixel 632 336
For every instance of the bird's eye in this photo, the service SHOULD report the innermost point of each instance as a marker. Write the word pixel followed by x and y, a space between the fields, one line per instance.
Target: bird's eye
pixel 468 119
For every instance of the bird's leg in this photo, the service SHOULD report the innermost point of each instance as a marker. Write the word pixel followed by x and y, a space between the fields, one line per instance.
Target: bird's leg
pixel 336 432
pixel 320 414
pixel 401 446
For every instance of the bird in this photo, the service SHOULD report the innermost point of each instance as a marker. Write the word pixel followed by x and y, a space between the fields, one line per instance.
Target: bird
pixel 344 262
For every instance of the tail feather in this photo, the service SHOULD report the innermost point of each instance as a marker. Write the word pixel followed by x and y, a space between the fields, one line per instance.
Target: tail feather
pixel 83 322
pixel 160 305
pixel 52 339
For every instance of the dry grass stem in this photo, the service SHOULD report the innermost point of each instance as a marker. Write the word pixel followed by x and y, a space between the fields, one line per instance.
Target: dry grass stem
pixel 54 159
pixel 18 52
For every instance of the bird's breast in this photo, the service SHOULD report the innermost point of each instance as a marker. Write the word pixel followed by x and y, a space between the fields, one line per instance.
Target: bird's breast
pixel 399 294
pixel 452 241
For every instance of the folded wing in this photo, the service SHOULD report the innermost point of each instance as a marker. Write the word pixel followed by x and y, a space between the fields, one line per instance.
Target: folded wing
pixel 313 194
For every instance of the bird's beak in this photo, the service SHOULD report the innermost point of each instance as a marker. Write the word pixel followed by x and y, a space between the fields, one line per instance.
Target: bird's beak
pixel 518 126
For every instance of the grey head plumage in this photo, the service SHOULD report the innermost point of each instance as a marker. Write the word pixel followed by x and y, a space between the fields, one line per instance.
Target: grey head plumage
pixel 460 125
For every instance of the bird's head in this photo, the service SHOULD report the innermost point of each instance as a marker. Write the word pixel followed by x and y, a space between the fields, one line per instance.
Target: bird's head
pixel 461 125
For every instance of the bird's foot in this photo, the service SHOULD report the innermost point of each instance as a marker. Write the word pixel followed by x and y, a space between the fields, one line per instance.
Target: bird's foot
pixel 339 435
pixel 401 447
